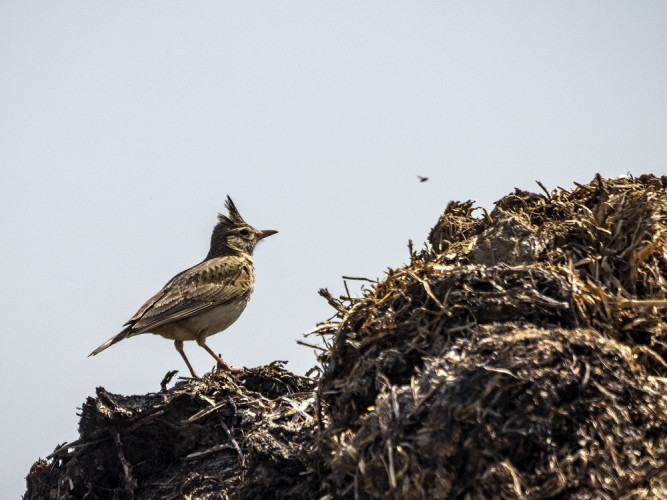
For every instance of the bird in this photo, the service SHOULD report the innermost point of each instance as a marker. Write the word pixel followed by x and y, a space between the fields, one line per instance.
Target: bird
pixel 206 298
pixel 422 179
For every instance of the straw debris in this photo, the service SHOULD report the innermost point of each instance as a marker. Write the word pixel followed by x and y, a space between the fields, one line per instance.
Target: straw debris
pixel 522 356
pixel 214 438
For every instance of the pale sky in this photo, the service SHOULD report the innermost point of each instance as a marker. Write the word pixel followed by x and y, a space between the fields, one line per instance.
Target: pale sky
pixel 123 126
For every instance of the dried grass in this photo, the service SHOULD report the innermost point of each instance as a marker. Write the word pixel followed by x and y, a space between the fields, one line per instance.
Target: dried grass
pixel 218 437
pixel 522 357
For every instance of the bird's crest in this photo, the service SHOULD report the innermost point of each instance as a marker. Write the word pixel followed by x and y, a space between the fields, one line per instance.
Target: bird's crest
pixel 234 218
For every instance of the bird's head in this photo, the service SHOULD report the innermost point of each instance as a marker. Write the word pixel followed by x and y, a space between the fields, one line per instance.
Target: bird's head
pixel 232 235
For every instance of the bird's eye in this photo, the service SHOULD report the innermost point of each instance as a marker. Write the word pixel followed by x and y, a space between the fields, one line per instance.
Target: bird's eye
pixel 245 232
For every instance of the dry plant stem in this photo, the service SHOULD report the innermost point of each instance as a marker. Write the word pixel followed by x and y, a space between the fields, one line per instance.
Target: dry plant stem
pixel 167 378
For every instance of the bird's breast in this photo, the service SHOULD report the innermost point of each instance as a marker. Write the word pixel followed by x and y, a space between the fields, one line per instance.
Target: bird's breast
pixel 217 319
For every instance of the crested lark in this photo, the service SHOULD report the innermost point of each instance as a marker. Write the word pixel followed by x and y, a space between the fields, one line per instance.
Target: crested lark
pixel 208 297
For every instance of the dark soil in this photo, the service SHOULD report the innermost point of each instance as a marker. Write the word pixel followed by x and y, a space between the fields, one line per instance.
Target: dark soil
pixel 223 436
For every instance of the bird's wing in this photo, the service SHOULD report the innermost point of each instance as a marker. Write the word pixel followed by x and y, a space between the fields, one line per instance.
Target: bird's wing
pixel 207 285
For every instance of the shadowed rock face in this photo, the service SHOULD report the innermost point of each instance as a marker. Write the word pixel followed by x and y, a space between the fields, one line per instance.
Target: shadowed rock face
pixel 523 356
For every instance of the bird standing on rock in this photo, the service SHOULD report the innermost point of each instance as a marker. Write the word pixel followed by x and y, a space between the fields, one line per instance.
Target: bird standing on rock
pixel 208 297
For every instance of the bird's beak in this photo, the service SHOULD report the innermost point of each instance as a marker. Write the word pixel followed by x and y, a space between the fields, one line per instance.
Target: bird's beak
pixel 266 233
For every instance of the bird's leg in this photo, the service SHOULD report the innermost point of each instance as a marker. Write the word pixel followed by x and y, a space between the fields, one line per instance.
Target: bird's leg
pixel 178 344
pixel 221 364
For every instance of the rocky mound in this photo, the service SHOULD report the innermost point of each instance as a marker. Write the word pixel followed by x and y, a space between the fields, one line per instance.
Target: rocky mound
pixel 521 356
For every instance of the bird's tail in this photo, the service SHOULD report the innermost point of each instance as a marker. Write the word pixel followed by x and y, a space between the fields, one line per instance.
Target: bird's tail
pixel 116 338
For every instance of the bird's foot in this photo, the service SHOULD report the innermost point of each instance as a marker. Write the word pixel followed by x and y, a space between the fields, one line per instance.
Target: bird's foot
pixel 224 367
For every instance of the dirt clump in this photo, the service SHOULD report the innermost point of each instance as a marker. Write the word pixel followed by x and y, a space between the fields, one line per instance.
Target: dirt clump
pixel 217 437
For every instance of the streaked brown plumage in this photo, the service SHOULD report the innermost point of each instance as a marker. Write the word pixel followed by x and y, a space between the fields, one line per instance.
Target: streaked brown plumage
pixel 204 299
